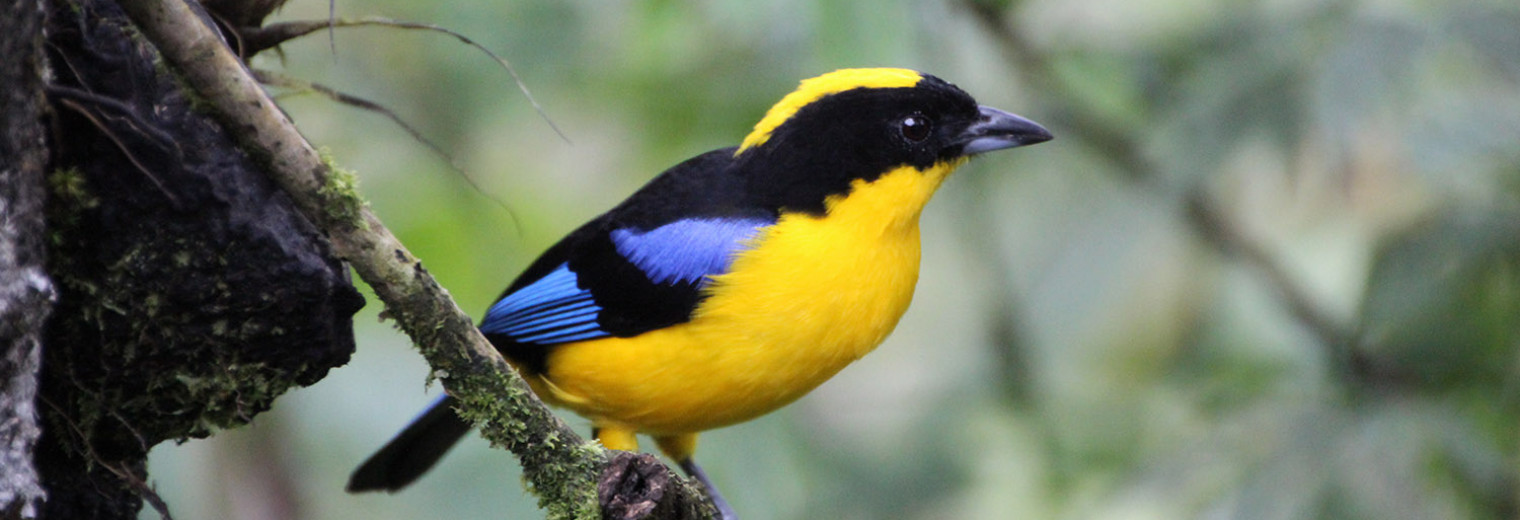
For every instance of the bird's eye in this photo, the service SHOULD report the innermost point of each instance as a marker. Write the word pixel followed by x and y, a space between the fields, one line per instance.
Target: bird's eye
pixel 915 128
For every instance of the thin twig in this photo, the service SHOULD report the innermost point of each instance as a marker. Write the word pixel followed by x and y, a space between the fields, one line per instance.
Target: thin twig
pixel 1216 229
pixel 122 146
pixel 119 468
pixel 280 80
pixel 332 28
pixel 136 120
pixel 224 26
pixel 260 38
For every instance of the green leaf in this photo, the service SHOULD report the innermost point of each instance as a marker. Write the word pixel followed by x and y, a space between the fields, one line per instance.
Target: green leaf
pixel 1443 301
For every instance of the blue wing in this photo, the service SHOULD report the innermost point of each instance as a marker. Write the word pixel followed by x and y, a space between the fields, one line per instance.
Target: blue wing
pixel 562 306
pixel 553 309
pixel 687 250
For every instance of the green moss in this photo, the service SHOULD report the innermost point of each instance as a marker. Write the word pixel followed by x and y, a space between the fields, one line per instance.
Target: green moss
pixel 340 195
pixel 147 372
pixel 560 470
pixel 69 185
pixel 68 196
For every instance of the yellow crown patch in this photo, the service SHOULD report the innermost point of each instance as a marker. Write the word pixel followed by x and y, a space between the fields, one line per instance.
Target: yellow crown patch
pixel 814 88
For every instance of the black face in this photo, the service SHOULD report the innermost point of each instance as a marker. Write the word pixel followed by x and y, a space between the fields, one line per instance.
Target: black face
pixel 857 134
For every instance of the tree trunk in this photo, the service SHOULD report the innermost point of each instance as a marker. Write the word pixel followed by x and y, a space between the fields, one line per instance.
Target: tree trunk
pixel 25 291
pixel 191 293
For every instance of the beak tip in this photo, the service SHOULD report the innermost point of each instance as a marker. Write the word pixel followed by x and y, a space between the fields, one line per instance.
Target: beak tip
pixel 998 129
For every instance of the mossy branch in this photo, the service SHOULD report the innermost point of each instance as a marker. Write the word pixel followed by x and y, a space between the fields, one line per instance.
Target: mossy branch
pixel 561 467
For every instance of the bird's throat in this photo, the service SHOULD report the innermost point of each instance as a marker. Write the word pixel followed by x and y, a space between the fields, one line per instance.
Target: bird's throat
pixel 890 204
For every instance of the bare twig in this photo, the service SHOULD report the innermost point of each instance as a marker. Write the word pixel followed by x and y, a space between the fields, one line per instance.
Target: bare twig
pixel 149 494
pixel 280 80
pixel 260 38
pixel 1215 228
pixel 136 120
pixel 122 146
pixel 117 468
pixel 332 29
pixel 275 79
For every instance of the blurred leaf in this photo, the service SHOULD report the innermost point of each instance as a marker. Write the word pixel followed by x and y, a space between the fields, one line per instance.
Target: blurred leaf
pixel 1109 84
pixel 1443 302
pixel 1252 84
pixel 1384 463
pixel 1463 141
pixel 1494 32
pixel 1330 459
pixel 1469 454
pixel 1368 65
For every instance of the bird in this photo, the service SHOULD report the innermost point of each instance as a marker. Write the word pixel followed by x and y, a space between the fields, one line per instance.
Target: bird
pixel 736 281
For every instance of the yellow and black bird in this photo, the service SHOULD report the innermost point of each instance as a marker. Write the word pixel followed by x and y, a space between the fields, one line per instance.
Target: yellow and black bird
pixel 737 281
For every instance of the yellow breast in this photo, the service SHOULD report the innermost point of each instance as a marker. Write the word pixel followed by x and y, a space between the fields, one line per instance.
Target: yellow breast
pixel 808 297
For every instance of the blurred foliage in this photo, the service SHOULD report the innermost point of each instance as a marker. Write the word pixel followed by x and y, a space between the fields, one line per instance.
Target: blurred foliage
pixel 1270 268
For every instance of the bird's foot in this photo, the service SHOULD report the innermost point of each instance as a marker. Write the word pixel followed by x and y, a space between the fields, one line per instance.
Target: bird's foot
pixel 726 511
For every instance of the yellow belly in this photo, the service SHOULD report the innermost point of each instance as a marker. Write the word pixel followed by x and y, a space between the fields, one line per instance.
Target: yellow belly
pixel 810 296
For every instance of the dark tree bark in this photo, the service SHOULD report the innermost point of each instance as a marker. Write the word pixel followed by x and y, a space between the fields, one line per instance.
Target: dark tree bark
pixel 25 291
pixel 192 293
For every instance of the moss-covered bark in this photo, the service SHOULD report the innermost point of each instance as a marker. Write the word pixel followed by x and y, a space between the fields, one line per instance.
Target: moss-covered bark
pixel 192 293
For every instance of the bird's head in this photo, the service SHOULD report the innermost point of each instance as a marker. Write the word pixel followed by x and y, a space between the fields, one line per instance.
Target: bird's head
pixel 859 124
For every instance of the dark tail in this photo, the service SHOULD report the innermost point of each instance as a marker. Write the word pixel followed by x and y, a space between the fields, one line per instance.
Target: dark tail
pixel 413 451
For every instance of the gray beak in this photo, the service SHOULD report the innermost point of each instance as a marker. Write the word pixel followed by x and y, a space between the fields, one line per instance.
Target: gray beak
pixel 996 130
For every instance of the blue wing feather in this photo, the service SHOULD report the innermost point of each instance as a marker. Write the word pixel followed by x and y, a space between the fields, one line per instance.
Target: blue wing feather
pixel 557 309
pixel 553 309
pixel 687 250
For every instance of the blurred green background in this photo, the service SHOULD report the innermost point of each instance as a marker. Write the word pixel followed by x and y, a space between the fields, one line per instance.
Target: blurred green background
pixel 1269 268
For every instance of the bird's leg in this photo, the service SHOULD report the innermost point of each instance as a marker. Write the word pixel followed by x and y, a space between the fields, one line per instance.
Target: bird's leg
pixel 616 438
pixel 680 448
pixel 694 471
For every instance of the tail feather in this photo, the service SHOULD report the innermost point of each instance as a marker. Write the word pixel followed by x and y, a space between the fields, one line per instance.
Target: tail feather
pixel 413 451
